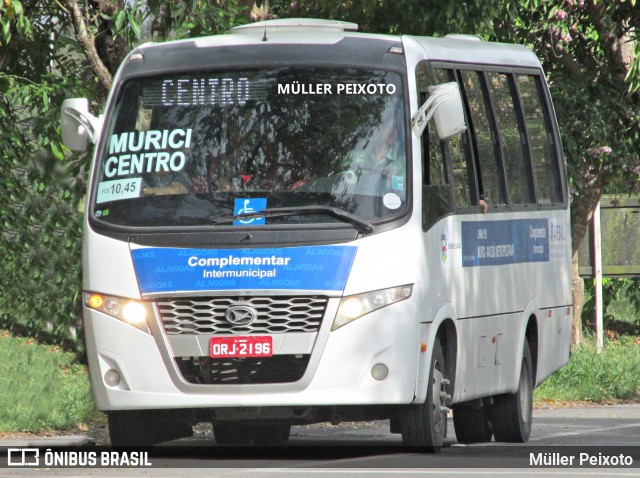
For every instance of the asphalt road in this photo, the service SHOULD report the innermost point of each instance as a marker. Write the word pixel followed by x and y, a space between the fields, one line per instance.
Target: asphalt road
pixel 597 435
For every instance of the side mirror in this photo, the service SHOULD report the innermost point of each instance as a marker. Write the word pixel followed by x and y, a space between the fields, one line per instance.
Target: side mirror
pixel 77 124
pixel 445 106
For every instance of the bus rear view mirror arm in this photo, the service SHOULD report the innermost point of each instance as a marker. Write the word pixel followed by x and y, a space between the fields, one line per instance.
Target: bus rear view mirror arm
pixel 76 124
pixel 445 106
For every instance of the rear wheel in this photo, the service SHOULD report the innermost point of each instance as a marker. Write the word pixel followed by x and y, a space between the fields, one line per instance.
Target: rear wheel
pixel 472 424
pixel 512 412
pixel 425 425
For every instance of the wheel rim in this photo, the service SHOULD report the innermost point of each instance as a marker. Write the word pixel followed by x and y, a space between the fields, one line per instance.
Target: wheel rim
pixel 436 398
pixel 525 396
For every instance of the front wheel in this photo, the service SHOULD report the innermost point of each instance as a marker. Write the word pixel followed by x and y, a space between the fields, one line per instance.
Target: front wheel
pixel 513 412
pixel 425 425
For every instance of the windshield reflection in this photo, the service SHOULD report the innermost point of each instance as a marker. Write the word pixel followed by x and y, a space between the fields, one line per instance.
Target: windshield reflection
pixel 185 150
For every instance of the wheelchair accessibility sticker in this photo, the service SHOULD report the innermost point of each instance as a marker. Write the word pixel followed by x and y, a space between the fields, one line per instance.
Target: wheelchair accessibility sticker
pixel 247 206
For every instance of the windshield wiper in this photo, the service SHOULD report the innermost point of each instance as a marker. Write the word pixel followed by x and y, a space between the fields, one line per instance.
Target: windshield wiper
pixel 362 225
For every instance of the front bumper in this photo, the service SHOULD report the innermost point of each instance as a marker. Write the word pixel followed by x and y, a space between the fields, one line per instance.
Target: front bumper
pixel 338 371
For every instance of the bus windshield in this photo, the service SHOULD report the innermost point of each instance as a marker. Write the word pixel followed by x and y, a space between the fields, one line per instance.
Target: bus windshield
pixel 195 149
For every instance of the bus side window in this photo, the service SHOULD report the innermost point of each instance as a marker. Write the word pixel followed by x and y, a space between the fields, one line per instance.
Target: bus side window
pixel 519 180
pixel 436 191
pixel 543 153
pixel 486 144
pixel 437 166
pixel 449 175
pixel 459 157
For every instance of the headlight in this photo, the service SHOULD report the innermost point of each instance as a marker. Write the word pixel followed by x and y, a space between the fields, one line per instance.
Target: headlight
pixel 132 312
pixel 355 306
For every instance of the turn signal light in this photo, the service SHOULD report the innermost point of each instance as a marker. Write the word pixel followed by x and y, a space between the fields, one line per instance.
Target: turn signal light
pixel 130 311
pixel 95 301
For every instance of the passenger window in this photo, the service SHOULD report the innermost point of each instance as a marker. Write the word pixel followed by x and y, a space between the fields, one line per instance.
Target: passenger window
pixel 437 170
pixel 459 155
pixel 512 140
pixel 545 161
pixel 436 191
pixel 460 170
pixel 490 177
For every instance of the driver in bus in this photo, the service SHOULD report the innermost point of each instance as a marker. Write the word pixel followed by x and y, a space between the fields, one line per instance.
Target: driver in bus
pixel 165 183
pixel 385 158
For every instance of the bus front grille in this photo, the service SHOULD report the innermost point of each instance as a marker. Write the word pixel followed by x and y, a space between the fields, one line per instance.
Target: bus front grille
pixel 273 315
pixel 244 371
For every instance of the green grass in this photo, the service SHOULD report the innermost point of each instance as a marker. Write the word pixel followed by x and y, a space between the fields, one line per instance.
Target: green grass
pixel 609 376
pixel 42 388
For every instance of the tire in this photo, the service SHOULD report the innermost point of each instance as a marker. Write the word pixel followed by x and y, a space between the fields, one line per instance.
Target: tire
pixel 145 427
pixel 472 424
pixel 512 413
pixel 425 425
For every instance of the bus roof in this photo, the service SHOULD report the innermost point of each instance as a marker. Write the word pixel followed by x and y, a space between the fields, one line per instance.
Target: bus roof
pixel 306 31
pixel 299 24
pixel 468 49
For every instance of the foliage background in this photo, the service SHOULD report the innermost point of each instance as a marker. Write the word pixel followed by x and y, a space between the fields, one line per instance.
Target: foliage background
pixel 56 49
pixel 47 54
pixel 40 187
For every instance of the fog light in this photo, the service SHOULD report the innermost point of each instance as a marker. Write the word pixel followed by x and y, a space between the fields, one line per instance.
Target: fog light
pixel 379 371
pixel 112 378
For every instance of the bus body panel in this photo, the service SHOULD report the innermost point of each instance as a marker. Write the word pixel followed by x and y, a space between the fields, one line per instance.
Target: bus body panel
pixel 394 253
pixel 485 363
pixel 107 266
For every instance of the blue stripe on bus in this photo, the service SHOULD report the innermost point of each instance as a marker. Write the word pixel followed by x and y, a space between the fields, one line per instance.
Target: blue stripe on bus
pixel 493 243
pixel 322 268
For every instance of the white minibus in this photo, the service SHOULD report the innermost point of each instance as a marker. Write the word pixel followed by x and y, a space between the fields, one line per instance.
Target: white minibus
pixel 298 223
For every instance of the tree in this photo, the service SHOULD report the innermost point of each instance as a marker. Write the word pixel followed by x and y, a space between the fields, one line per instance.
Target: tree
pixel 49 51
pixel 591 53
pixel 39 186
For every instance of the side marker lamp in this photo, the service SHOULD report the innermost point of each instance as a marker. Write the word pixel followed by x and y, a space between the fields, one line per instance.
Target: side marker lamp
pixel 355 306
pixel 132 312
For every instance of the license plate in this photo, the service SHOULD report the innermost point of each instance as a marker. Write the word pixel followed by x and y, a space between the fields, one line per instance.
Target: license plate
pixel 240 347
